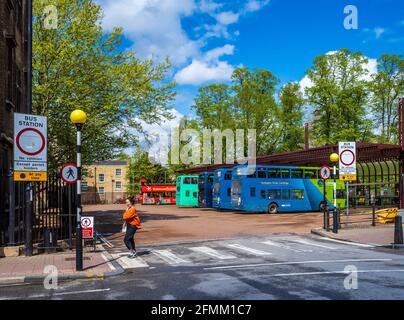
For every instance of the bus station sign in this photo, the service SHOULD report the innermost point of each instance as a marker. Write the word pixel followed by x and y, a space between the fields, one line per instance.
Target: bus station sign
pixel 30 151
pixel 347 161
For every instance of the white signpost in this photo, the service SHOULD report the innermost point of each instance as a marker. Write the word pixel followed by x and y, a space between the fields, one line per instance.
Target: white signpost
pixel 347 161
pixel 31 147
pixel 347 167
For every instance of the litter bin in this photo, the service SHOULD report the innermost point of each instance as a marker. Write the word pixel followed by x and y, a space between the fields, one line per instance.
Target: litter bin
pixel 50 240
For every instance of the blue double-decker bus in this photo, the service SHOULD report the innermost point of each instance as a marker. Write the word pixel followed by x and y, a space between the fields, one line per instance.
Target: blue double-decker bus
pixel 282 189
pixel 205 184
pixel 222 189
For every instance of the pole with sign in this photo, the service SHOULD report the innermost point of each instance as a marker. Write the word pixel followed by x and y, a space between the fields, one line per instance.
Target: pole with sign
pixel 325 174
pixel 347 166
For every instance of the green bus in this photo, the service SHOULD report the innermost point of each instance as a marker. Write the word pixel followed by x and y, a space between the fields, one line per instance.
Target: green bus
pixel 187 191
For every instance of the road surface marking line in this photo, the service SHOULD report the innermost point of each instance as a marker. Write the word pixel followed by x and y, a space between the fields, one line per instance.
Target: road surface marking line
pixel 284 246
pixel 169 257
pixel 312 244
pixel 248 249
pixel 109 264
pixel 312 273
pixel 127 263
pixel 349 243
pixel 296 262
pixel 213 253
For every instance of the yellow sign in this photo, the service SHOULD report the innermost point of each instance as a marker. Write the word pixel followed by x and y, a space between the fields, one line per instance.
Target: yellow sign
pixel 30 176
pixel 347 177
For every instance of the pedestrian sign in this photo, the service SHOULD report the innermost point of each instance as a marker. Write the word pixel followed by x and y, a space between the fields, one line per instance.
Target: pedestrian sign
pixel 69 173
pixel 30 151
pixel 87 227
pixel 325 173
pixel 347 161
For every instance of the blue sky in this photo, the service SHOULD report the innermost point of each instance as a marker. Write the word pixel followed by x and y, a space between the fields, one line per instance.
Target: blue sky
pixel 207 39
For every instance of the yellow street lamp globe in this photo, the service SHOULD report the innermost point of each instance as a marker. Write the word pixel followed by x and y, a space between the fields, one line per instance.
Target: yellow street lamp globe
pixel 334 157
pixel 78 117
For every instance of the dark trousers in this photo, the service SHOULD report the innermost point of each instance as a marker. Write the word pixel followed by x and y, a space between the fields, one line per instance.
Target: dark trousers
pixel 129 241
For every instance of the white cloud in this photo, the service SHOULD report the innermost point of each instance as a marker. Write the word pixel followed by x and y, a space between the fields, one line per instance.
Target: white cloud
pixel 378 32
pixel 208 68
pixel 227 17
pixel 255 5
pixel 154 26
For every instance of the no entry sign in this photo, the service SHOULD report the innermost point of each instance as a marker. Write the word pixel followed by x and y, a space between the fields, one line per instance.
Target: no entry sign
pixel 347 161
pixel 87 227
pixel 30 151
pixel 68 173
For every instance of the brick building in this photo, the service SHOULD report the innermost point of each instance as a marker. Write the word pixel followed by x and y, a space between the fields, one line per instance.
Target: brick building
pixel 13 89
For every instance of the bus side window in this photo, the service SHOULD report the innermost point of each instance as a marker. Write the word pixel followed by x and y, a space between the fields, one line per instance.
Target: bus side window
pixel 285 173
pixel 297 194
pixel 263 193
pixel 285 194
pixel 252 192
pixel 187 180
pixel 274 194
pixel 194 181
pixel 274 173
pixel 228 192
pixel 310 174
pixel 210 179
pixel 297 174
pixel 227 176
pixel 253 175
pixel 262 174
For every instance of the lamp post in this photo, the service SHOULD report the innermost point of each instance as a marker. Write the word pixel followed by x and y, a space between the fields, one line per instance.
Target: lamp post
pixel 334 158
pixel 79 118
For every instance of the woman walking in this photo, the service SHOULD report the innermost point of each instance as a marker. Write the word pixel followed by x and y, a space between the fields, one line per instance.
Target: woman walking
pixel 132 221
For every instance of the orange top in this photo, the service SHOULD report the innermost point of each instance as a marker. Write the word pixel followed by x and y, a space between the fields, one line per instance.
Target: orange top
pixel 131 217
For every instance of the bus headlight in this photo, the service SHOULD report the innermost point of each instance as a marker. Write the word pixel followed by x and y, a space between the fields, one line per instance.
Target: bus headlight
pixel 239 201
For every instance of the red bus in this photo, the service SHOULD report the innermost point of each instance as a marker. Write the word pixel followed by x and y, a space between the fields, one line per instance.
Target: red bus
pixel 157 193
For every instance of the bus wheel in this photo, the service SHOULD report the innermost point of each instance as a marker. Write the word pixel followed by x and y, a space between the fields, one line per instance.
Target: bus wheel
pixel 323 206
pixel 157 202
pixel 273 208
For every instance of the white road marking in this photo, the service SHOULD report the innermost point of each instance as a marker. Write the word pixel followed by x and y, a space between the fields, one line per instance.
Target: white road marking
pixel 284 246
pixel 169 257
pixel 126 263
pixel 310 243
pixel 349 243
pixel 296 262
pixel 34 296
pixel 249 250
pixel 316 273
pixel 213 253
pixel 109 264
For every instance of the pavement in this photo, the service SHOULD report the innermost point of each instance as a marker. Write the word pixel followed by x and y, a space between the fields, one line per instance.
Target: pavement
pixel 282 266
pixel 98 264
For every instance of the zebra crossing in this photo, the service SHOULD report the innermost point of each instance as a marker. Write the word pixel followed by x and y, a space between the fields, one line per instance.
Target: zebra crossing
pixel 217 252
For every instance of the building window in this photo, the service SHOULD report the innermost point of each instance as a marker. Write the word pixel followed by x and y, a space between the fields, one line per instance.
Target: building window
pixel 118 185
pixel 84 172
pixel 101 190
pixel 101 177
pixel 118 172
pixel 84 186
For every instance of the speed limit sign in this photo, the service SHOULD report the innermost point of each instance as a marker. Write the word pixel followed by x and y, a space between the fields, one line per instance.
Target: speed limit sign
pixel 325 172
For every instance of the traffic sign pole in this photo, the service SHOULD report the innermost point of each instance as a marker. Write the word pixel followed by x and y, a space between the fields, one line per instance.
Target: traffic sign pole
pixel 79 244
pixel 335 186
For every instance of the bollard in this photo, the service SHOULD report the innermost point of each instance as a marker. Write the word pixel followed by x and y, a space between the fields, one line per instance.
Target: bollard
pixel 374 216
pixel 334 221
pixel 398 230
pixel 339 216
pixel 327 219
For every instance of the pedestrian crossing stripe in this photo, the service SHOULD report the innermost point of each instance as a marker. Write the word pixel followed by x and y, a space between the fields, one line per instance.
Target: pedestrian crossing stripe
pixel 284 246
pixel 169 257
pixel 213 253
pixel 248 249
pixel 126 263
pixel 305 242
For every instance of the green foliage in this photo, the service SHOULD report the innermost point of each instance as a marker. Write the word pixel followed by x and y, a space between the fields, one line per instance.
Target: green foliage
pixel 338 97
pixel 140 167
pixel 386 87
pixel 78 66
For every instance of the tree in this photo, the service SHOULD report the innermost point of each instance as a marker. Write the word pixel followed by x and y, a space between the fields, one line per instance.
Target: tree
pixel 140 167
pixel 256 107
pixel 77 65
pixel 338 97
pixel 291 117
pixel 386 87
